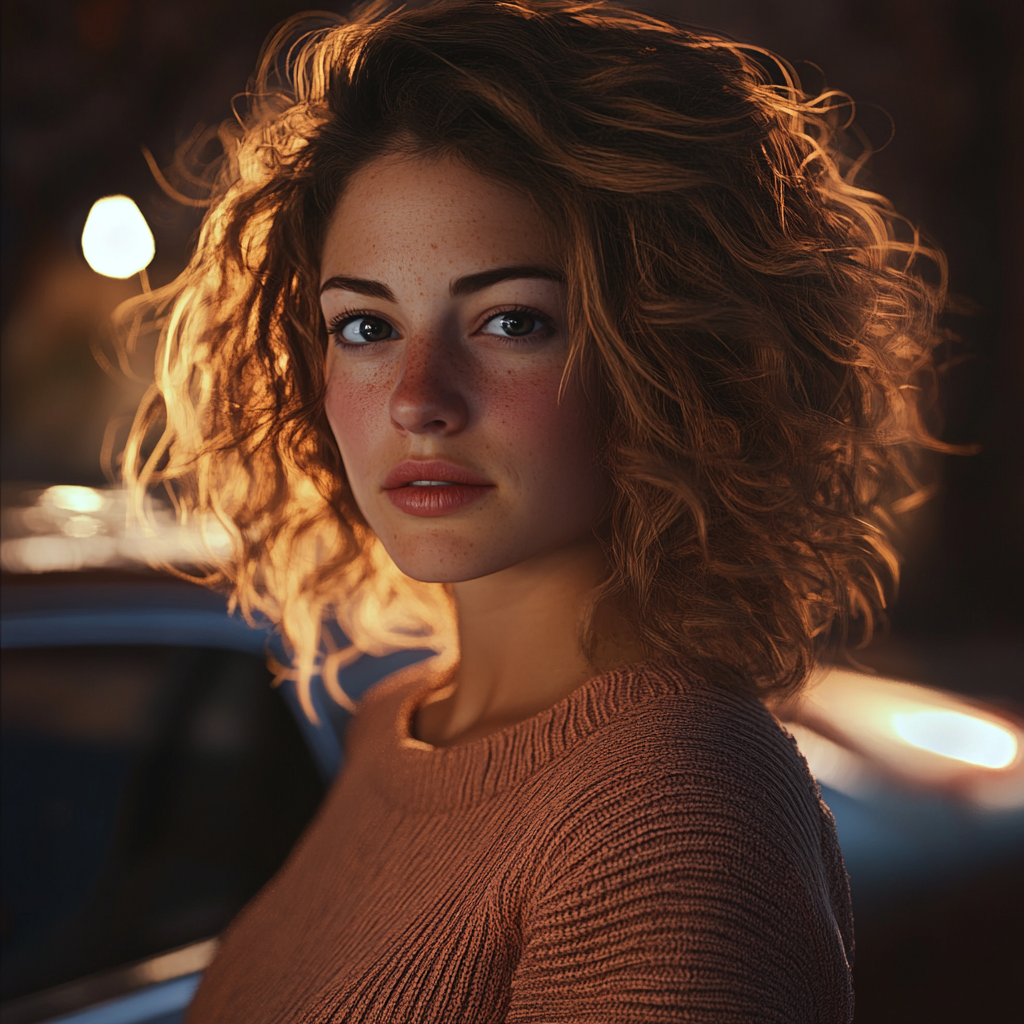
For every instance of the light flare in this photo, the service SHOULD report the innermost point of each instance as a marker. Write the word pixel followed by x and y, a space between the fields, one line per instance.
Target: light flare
pixel 835 766
pixel 912 734
pixel 74 528
pixel 82 526
pixel 73 499
pixel 116 240
pixel 958 736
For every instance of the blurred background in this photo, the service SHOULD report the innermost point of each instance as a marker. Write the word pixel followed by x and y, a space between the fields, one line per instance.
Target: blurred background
pixel 88 83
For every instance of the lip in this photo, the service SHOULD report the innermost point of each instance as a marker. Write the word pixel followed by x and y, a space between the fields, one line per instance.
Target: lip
pixel 453 489
pixel 412 469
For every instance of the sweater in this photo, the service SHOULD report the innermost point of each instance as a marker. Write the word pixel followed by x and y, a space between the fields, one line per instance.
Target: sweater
pixel 651 848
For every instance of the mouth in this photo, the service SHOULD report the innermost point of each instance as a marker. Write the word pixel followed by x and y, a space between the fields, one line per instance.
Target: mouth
pixel 434 488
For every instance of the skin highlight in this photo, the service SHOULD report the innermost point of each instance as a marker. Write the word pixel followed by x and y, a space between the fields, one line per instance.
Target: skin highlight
pixel 412 260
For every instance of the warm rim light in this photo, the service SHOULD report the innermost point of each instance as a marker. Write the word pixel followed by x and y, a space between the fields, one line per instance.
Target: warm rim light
pixel 958 736
pixel 116 240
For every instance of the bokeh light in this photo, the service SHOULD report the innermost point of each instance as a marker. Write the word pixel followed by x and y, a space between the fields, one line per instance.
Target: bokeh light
pixel 916 736
pixel 956 735
pixel 73 499
pixel 116 240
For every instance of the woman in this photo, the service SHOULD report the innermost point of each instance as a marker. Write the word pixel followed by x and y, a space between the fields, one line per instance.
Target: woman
pixel 555 333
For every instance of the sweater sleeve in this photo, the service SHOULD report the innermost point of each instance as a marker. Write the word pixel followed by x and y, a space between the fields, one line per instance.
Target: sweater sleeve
pixel 698 895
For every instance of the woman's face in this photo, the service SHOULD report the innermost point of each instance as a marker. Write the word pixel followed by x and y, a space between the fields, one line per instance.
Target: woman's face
pixel 442 294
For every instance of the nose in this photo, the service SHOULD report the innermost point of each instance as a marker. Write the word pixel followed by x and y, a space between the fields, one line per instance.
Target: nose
pixel 429 395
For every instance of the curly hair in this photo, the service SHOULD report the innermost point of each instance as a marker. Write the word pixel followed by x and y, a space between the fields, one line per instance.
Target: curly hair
pixel 755 329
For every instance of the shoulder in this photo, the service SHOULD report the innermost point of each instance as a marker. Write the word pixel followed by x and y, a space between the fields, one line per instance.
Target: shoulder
pixel 692 773
pixel 674 732
pixel 687 834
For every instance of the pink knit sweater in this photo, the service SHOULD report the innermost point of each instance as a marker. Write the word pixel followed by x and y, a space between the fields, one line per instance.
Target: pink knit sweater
pixel 651 848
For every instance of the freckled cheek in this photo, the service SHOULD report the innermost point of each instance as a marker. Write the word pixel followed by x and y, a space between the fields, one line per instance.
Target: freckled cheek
pixel 358 414
pixel 551 442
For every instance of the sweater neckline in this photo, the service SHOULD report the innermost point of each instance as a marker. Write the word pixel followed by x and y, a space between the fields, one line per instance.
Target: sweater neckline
pixel 410 772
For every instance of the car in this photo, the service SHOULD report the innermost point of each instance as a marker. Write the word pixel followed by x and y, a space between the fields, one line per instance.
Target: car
pixel 153 781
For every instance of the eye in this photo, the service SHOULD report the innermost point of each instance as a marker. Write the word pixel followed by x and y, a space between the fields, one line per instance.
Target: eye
pixel 516 323
pixel 360 330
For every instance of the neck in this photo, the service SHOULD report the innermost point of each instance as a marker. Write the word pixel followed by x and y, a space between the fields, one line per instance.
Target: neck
pixel 519 636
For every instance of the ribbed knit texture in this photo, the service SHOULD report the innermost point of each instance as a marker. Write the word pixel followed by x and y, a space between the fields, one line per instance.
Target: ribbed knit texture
pixel 651 848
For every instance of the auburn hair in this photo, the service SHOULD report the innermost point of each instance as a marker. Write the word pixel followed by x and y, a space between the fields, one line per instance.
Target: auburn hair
pixel 755 328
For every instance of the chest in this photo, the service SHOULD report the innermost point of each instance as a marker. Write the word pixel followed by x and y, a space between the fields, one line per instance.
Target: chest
pixel 381 913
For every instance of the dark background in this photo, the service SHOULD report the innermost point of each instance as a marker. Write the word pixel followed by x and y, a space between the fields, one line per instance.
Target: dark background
pixel 86 83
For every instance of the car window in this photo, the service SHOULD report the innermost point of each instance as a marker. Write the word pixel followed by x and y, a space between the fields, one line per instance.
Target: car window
pixel 148 793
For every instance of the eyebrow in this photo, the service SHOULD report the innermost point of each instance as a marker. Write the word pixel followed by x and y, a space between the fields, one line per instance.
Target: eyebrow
pixel 374 289
pixel 477 282
pixel 460 286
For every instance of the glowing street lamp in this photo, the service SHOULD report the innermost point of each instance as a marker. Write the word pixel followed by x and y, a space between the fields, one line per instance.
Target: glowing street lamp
pixel 116 240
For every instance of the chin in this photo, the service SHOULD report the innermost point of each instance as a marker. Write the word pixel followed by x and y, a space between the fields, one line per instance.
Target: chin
pixel 448 560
